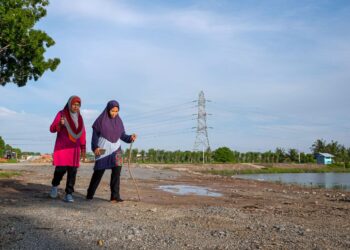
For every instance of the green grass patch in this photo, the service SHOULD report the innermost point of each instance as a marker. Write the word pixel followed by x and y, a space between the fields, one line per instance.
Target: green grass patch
pixel 10 161
pixel 8 174
pixel 229 172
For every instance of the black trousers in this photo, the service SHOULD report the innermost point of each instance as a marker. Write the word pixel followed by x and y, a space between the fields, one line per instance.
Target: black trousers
pixel 114 183
pixel 71 176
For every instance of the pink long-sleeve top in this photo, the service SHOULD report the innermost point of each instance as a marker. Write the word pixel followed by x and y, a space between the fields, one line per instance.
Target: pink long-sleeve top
pixel 66 152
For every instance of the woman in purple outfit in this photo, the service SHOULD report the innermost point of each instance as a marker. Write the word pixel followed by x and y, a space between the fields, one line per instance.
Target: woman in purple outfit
pixel 108 132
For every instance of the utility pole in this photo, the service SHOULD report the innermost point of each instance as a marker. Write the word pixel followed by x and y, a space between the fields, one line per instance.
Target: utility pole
pixel 202 140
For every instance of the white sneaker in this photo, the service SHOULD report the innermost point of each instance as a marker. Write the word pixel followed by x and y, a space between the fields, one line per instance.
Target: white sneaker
pixel 68 198
pixel 54 192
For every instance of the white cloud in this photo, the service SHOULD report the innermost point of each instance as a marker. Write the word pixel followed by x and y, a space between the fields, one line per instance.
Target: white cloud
pixel 101 10
pixel 208 22
pixel 89 114
pixel 187 19
pixel 7 112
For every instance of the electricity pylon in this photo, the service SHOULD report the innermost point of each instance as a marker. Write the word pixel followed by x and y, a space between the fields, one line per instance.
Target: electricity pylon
pixel 202 140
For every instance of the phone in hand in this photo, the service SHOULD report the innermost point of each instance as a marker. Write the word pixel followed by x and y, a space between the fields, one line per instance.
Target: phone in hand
pixel 102 151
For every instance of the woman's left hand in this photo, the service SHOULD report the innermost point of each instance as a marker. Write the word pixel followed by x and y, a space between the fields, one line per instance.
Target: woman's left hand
pixel 133 137
pixel 83 156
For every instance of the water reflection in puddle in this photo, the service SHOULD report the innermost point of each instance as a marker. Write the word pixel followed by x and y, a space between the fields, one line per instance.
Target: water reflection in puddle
pixel 189 190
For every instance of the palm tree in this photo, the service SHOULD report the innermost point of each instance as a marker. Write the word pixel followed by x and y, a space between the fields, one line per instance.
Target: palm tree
pixel 280 155
pixel 318 146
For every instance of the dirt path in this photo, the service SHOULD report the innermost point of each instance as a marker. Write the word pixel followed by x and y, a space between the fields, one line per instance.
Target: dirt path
pixel 248 215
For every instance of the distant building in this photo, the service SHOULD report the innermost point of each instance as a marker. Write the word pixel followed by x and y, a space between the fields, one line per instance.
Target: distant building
pixel 10 155
pixel 324 158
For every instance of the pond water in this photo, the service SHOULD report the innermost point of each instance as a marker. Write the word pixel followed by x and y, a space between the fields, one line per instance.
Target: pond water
pixel 323 180
pixel 189 190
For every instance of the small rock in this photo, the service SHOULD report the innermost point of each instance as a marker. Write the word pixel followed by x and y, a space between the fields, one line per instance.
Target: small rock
pixel 279 228
pixel 153 210
pixel 100 243
pixel 219 234
pixel 134 231
pixel 314 193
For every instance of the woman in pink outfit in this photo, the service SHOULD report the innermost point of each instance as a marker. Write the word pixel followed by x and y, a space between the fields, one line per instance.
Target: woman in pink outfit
pixel 70 144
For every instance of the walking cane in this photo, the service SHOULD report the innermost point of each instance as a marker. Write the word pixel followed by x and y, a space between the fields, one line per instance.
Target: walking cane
pixel 132 177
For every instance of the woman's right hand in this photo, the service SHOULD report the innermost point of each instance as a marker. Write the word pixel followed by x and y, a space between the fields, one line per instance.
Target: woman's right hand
pixel 97 152
pixel 62 121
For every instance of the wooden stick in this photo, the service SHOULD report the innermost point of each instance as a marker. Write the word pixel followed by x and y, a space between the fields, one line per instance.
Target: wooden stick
pixel 132 177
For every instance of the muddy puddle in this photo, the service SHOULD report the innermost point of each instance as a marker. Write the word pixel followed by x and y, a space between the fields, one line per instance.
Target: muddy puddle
pixel 189 190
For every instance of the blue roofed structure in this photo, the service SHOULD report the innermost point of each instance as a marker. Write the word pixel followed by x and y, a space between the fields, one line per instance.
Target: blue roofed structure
pixel 324 158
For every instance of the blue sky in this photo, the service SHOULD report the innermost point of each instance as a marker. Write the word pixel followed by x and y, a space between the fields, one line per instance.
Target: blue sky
pixel 276 72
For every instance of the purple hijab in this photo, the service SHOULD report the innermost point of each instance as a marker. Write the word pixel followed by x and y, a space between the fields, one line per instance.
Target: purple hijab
pixel 107 127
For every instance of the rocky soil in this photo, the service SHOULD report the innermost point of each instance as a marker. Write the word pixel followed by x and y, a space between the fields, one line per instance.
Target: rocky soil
pixel 248 215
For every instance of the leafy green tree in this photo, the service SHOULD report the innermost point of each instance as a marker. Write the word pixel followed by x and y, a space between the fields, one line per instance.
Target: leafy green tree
pixel 209 155
pixel 319 146
pixel 267 157
pixel 151 154
pixel 223 154
pixel 134 153
pixel 293 155
pixel 22 47
pixel 334 148
pixel 143 155
pixel 307 158
pixel 2 147
pixel 280 155
pixel 18 152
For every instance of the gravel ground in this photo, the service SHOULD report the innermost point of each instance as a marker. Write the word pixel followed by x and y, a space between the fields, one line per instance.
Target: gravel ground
pixel 249 215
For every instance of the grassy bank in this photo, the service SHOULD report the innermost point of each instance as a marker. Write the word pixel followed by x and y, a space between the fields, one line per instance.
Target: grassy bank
pixel 271 170
pixel 8 174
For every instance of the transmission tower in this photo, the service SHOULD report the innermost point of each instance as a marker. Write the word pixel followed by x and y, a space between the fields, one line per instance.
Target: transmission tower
pixel 202 140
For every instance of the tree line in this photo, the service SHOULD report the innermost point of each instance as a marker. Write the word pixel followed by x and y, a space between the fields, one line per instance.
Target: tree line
pixel 220 155
pixel 226 155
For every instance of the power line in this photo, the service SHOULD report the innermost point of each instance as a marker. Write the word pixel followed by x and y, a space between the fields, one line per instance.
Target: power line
pixel 157 112
pixel 160 123
pixel 165 134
